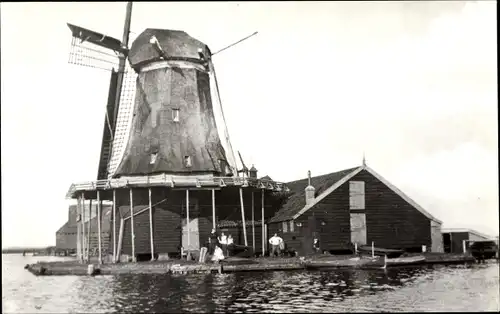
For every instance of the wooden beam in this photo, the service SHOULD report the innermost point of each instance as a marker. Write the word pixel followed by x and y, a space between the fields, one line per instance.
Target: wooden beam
pixel 263 226
pixel 78 229
pixel 132 224
pixel 187 222
pixel 89 233
pixel 120 240
pixel 84 239
pixel 151 226
pixel 99 226
pixel 213 209
pixel 253 222
pixel 243 217
pixel 114 226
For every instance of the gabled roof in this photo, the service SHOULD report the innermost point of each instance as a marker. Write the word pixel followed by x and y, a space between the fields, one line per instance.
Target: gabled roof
pixel 466 230
pixel 297 201
pixel 295 206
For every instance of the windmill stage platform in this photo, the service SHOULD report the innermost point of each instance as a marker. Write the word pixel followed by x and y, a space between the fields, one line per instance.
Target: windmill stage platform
pixel 183 267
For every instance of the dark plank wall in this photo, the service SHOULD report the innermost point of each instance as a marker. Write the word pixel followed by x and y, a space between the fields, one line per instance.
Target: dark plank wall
pixel 167 217
pixel 391 221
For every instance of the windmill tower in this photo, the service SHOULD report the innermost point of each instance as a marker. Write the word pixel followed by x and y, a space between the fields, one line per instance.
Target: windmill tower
pixel 166 158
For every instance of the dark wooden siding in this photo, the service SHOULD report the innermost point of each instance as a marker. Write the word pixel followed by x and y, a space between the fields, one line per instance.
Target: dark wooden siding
pixel 335 234
pixel 391 221
pixel 167 217
pixel 457 239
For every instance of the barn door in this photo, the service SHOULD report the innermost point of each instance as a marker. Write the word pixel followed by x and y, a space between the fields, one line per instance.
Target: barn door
pixel 358 228
pixel 308 233
pixel 194 231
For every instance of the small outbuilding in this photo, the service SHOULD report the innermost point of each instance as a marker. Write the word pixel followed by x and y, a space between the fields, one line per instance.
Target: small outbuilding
pixel 457 240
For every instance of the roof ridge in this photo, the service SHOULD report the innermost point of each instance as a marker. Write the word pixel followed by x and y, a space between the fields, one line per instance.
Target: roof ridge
pixel 325 174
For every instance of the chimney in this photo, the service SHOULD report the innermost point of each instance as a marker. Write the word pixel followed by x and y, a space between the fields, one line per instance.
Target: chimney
pixel 310 190
pixel 253 172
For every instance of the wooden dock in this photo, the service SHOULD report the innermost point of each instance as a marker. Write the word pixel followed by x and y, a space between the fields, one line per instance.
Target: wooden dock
pixel 75 268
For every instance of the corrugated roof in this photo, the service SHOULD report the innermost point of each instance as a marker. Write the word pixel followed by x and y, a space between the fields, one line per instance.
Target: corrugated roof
pixel 297 200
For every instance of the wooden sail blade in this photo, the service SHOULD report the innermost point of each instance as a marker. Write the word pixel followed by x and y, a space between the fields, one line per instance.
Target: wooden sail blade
pixel 97 38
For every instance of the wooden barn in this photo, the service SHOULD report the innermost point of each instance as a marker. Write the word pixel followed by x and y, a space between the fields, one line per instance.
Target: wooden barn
pixel 355 205
pixel 67 235
pixel 457 240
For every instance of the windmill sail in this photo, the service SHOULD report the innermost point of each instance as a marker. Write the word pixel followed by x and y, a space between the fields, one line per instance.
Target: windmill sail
pixel 173 127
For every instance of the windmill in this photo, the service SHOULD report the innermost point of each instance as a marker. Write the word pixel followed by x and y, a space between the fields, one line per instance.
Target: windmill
pixel 165 133
pixel 93 49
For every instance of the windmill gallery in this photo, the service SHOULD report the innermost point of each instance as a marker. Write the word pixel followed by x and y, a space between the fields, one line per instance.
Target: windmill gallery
pixel 168 174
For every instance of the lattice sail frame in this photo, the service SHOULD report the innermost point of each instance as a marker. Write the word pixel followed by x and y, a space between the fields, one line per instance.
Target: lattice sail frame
pixel 87 54
pixel 124 119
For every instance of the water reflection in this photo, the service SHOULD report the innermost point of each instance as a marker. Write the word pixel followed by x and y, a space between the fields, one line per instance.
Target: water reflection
pixel 455 288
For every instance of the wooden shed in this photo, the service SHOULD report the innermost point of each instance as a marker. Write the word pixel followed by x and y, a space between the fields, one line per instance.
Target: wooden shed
pixel 457 240
pixel 355 205
pixel 66 236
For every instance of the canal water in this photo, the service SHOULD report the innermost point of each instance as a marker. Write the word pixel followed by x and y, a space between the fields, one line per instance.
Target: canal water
pixel 436 288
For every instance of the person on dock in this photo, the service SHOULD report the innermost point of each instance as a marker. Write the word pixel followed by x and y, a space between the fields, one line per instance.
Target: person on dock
pixel 230 243
pixel 276 243
pixel 316 248
pixel 223 242
pixel 218 254
pixel 212 241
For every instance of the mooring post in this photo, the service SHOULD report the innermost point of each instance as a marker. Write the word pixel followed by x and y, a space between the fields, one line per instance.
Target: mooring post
pixel 373 249
pixel 84 239
pixel 89 233
pixel 99 225
pixel 243 217
pixel 114 226
pixel 263 226
pixel 151 226
pixel 253 223
pixel 188 255
pixel 213 209
pixel 132 224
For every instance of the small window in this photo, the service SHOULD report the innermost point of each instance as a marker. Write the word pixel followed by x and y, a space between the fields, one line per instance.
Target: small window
pixel 175 115
pixel 285 226
pixel 187 161
pixel 153 158
pixel 292 225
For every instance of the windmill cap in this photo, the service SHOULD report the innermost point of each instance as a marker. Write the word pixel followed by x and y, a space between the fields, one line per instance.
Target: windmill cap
pixel 177 45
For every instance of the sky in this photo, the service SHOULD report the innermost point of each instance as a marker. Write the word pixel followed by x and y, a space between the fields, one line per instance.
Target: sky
pixel 412 85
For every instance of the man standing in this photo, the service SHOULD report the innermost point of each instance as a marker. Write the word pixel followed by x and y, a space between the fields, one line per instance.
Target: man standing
pixel 275 242
pixel 212 240
pixel 223 242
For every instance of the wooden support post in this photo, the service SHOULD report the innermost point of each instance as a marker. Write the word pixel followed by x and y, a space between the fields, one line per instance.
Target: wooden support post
pixel 243 217
pixel 120 240
pixel 188 225
pixel 253 223
pixel 263 226
pixel 84 239
pixel 373 249
pixel 132 224
pixel 89 232
pixel 213 209
pixel 151 227
pixel 464 246
pixel 99 203
pixel 78 229
pixel 114 226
